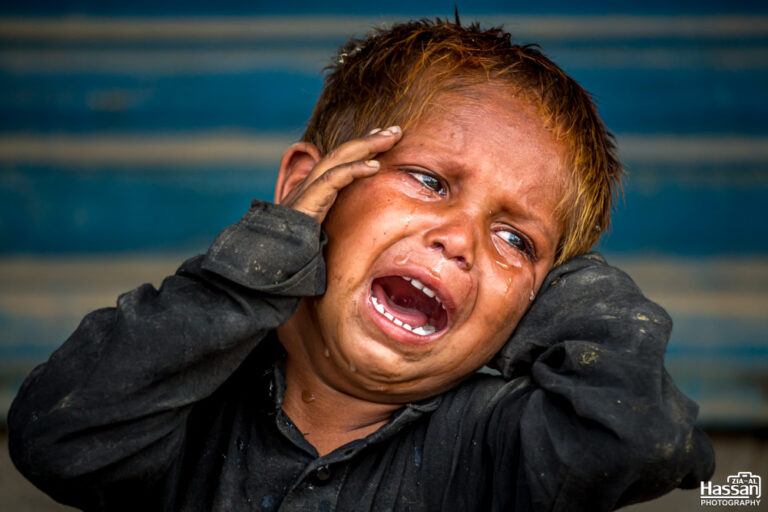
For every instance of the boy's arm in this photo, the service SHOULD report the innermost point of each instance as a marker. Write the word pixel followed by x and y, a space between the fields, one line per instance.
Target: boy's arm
pixel 602 425
pixel 106 415
pixel 108 411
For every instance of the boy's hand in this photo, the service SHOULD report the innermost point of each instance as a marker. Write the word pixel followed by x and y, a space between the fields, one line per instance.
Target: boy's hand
pixel 316 193
pixel 585 301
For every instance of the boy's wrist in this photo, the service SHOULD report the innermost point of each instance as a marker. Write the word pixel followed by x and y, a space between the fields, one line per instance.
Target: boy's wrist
pixel 271 248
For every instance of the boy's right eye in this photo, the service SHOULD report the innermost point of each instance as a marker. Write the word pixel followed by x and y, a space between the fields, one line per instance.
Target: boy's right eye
pixel 428 180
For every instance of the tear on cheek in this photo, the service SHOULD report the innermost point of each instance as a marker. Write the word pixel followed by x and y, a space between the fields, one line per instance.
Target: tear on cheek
pixel 515 288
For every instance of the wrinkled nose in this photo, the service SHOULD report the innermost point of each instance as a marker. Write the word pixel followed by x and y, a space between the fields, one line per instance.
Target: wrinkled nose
pixel 456 240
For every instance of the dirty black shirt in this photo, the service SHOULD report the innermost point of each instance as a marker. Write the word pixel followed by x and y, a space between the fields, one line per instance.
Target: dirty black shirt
pixel 172 400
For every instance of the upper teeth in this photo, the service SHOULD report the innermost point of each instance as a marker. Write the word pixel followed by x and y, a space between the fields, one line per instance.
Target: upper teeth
pixel 421 331
pixel 420 286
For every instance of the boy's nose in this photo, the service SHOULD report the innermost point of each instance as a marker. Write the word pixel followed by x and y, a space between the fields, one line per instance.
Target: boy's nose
pixel 455 240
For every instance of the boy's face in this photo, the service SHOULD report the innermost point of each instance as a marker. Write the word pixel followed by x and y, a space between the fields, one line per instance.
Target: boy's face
pixel 463 208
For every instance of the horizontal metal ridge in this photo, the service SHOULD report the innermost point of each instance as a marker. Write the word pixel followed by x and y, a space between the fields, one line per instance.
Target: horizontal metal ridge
pixel 319 27
pixel 207 148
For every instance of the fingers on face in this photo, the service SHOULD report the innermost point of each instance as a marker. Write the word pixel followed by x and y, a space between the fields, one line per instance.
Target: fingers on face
pixel 318 197
pixel 340 176
pixel 356 150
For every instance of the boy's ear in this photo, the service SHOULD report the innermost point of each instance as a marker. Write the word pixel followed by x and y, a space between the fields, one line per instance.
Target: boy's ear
pixel 297 162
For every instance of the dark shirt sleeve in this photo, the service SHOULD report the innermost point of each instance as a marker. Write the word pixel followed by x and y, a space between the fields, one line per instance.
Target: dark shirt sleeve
pixel 106 414
pixel 600 423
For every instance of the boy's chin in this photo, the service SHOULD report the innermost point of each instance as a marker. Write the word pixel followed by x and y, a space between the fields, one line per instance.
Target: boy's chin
pixel 377 383
pixel 386 371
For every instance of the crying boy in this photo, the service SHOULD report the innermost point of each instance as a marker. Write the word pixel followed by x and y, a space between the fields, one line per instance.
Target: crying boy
pixel 324 353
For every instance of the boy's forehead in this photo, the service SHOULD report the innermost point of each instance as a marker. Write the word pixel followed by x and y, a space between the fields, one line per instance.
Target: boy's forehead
pixel 453 120
pixel 478 107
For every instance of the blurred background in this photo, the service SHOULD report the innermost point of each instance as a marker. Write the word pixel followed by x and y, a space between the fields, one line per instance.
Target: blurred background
pixel 131 133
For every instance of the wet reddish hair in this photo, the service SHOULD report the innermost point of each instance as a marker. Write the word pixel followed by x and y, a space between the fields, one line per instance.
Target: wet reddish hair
pixel 393 75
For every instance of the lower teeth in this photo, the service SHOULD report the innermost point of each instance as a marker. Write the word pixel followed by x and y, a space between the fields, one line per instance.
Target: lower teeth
pixel 423 330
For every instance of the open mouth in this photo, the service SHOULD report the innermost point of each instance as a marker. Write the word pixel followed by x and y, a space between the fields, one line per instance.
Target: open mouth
pixel 409 304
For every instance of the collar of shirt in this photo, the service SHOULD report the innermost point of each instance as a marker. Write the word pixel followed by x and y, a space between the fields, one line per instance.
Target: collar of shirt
pixel 404 416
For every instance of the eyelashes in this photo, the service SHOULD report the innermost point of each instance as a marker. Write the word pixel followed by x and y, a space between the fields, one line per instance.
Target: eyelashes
pixel 430 181
pixel 513 238
pixel 518 241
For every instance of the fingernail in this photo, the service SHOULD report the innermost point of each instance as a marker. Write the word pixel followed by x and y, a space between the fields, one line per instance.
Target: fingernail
pixel 392 130
pixel 374 131
pixel 372 163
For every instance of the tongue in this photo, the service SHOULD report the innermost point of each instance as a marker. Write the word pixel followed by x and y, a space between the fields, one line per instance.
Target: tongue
pixel 410 316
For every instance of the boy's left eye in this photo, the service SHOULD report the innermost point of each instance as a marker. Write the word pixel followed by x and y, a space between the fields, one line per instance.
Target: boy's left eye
pixel 517 241
pixel 429 181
